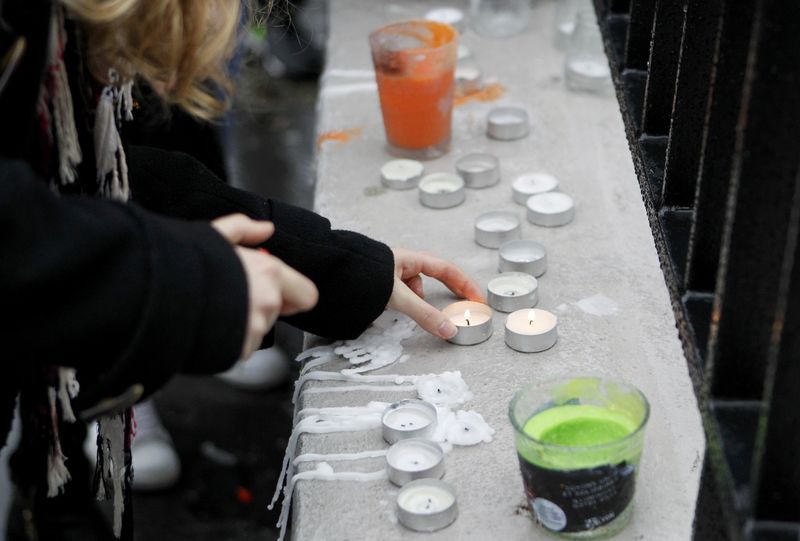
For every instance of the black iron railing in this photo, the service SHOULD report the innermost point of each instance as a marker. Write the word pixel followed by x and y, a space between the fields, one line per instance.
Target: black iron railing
pixel 710 95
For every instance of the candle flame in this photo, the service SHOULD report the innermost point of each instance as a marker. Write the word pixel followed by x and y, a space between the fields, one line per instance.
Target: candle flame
pixel 466 315
pixel 531 316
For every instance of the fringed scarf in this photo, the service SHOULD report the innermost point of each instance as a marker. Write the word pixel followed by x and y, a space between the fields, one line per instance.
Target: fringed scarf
pixel 57 120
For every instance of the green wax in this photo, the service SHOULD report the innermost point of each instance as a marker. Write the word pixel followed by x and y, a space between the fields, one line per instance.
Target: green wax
pixel 576 426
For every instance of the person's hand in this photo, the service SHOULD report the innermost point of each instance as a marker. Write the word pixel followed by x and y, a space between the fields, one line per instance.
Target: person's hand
pixel 274 287
pixel 407 294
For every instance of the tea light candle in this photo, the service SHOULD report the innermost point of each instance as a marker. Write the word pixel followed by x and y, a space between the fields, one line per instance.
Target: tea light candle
pixel 448 15
pixel 415 458
pixel 550 209
pixel 441 190
pixel 531 330
pixel 479 170
pixel 426 505
pixel 525 186
pixel 523 256
pixel 401 174
pixel 493 229
pixel 473 321
pixel 513 291
pixel 507 123
pixel 408 418
pixel 468 78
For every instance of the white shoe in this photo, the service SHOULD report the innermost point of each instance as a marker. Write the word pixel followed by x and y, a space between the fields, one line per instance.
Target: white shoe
pixel 156 465
pixel 264 369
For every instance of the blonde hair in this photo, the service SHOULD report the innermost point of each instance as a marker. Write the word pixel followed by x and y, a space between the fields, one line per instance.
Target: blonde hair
pixel 179 47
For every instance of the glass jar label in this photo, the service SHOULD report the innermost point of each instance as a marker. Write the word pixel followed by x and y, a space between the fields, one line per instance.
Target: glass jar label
pixel 578 500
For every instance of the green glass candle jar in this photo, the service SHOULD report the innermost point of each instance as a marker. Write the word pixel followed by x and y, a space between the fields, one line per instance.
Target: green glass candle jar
pixel 579 442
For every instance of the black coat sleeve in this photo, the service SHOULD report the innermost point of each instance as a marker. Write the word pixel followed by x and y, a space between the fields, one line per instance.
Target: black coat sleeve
pixel 112 289
pixel 354 274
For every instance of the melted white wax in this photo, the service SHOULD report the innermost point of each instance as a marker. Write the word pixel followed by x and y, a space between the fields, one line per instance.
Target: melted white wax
pixel 322 424
pixel 447 388
pixel 323 472
pixel 598 305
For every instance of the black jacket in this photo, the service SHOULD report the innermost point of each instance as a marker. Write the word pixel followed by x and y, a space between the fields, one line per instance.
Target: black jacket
pixel 133 293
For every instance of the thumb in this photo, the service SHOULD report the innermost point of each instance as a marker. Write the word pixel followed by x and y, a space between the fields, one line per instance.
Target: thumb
pixel 240 230
pixel 429 318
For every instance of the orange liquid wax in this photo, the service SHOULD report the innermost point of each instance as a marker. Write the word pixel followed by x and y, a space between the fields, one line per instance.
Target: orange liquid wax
pixel 416 110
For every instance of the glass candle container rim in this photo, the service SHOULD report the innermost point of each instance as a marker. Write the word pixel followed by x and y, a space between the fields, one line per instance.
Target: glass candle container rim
pixel 450 29
pixel 552 382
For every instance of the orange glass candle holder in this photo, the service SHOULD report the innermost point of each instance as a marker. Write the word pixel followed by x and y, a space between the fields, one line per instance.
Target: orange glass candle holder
pixel 414 67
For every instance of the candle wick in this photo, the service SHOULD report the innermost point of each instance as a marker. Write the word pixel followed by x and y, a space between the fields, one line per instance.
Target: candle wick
pixel 467 323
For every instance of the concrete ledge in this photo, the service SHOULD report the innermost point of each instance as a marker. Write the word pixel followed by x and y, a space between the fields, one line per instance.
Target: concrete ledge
pixel 607 250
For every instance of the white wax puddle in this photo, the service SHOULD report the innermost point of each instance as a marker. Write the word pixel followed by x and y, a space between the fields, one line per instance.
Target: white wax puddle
pixel 522 251
pixel 468 428
pixel 448 389
pixel 598 305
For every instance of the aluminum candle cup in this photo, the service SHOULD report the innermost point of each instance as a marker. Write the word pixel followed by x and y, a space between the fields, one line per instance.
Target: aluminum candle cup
pixel 426 505
pixel 493 229
pixel 409 418
pixel 415 458
pixel 550 209
pixel 523 256
pixel 531 330
pixel 525 186
pixel 468 78
pixel 401 174
pixel 479 170
pixel 513 291
pixel 441 190
pixel 507 123
pixel 473 321
pixel 579 442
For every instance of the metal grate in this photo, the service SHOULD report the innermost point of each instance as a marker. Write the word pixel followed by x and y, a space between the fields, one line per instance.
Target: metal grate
pixel 710 95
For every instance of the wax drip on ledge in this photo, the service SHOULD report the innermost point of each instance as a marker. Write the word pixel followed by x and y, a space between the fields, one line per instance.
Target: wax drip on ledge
pixel 377 347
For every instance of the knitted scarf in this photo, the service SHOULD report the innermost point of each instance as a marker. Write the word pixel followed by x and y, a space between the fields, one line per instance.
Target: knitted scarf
pixel 57 124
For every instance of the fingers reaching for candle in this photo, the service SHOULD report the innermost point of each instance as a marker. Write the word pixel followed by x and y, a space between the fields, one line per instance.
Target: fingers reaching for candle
pixel 409 265
pixel 405 300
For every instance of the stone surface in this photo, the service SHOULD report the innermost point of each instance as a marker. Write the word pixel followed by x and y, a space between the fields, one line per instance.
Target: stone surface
pixel 607 250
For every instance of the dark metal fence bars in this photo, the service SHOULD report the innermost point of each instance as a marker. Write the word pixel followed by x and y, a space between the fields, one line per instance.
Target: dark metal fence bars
pixel 710 95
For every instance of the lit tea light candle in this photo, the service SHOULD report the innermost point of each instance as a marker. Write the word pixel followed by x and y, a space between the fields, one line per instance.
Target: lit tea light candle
pixel 409 418
pixel 530 184
pixel 523 256
pixel 448 15
pixel 426 505
pixel 531 330
pixel 493 229
pixel 441 190
pixel 550 209
pixel 479 170
pixel 473 321
pixel 513 291
pixel 507 123
pixel 401 174
pixel 416 458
